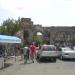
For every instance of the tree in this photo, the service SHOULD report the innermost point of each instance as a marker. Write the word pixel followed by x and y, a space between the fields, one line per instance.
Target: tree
pixel 10 27
pixel 37 39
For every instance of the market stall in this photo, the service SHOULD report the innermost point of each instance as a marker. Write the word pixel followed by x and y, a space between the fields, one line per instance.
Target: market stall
pixel 6 39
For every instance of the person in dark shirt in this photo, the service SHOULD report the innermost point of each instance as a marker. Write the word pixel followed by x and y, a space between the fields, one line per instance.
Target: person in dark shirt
pixel 2 51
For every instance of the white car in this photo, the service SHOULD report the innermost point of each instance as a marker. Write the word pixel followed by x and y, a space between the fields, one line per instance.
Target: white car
pixel 48 52
pixel 74 48
pixel 66 53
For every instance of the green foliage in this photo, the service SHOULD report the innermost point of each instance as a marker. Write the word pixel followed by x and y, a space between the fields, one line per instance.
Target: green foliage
pixel 37 40
pixel 9 27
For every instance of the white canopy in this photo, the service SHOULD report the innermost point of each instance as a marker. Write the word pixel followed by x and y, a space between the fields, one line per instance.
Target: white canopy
pixel 9 39
pixel 39 33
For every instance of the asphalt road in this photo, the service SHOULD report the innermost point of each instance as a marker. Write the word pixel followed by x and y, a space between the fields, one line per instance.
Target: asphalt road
pixel 43 68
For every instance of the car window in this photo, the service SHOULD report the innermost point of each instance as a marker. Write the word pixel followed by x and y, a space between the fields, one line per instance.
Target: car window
pixel 48 48
pixel 67 49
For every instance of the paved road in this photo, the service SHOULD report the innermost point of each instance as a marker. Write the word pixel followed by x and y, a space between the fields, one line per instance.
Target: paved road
pixel 44 68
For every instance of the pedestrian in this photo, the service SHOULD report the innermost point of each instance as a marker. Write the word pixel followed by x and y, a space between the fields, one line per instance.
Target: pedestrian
pixel 28 51
pixel 26 54
pixel 32 51
pixel 1 51
pixel 21 53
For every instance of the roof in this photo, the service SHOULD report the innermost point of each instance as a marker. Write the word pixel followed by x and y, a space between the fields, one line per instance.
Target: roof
pixel 9 39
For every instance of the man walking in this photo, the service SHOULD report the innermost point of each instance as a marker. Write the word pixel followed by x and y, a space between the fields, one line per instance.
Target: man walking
pixel 26 54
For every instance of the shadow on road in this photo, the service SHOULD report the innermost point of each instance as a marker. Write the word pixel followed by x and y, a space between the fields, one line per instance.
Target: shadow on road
pixel 6 65
pixel 69 60
pixel 25 63
pixel 45 61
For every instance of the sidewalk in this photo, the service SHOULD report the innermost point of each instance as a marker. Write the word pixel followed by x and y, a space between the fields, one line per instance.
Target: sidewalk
pixel 11 66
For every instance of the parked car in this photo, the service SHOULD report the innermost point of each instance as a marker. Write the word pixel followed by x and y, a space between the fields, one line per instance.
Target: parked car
pixel 48 52
pixel 66 53
pixel 74 47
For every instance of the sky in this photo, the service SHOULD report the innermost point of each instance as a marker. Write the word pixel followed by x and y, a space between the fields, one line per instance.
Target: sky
pixel 44 12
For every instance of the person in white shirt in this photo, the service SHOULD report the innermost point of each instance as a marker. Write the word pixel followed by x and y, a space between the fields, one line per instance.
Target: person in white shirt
pixel 25 52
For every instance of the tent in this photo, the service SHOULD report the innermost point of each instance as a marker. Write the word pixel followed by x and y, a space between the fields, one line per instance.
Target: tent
pixel 9 39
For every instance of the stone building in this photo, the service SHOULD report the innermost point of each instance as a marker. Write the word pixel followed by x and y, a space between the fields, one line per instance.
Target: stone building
pixel 62 35
pixel 54 35
pixel 26 30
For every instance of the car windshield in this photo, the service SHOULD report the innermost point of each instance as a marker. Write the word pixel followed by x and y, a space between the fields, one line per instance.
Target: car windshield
pixel 48 48
pixel 67 49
